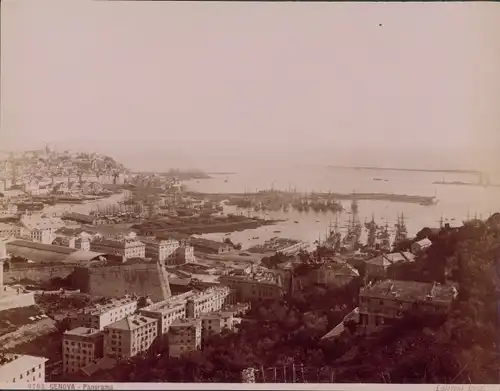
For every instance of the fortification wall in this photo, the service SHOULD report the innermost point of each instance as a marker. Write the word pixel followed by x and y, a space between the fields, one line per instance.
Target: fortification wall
pixel 116 281
pixel 37 274
pixel 16 301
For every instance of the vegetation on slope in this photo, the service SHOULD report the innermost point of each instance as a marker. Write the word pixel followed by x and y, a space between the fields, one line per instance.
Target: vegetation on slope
pixel 459 348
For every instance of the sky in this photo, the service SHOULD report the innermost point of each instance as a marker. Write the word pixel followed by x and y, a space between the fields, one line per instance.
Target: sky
pixel 219 85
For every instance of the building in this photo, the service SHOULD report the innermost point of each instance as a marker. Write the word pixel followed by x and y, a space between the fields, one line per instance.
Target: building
pixel 182 255
pixel 21 368
pixel 41 229
pixel 101 315
pixel 9 210
pixel 125 247
pixel 248 288
pixel 159 249
pixel 209 300
pixel 210 246
pixel 80 243
pixel 335 274
pixel 80 218
pixel 213 323
pixel 81 347
pixel 184 336
pixel 420 246
pixel 166 312
pixel 129 336
pixel 377 267
pixel 39 252
pixel 382 303
pixel 9 230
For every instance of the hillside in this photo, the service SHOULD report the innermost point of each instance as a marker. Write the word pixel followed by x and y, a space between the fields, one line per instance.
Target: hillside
pixel 461 347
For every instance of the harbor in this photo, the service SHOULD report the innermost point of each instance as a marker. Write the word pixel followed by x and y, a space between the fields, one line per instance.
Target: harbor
pixel 279 199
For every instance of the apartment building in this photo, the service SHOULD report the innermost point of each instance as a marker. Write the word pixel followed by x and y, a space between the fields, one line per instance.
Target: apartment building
pixel 383 302
pixel 81 347
pixel 166 312
pixel 22 368
pixel 209 300
pixel 159 249
pixel 184 336
pixel 101 315
pixel 125 247
pixel 248 288
pixel 9 230
pixel 130 336
pixel 213 323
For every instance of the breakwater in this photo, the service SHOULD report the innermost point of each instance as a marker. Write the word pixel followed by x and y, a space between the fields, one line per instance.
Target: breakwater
pixel 289 197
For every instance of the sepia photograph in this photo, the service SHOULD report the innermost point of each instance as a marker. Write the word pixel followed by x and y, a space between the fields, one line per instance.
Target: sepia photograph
pixel 221 194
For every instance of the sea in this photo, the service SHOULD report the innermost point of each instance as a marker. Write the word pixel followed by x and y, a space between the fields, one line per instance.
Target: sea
pixel 456 203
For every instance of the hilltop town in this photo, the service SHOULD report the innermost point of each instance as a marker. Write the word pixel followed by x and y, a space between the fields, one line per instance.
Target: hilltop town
pixel 105 277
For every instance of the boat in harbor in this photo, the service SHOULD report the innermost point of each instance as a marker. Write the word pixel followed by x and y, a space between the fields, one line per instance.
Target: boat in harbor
pixel 384 238
pixel 401 230
pixel 334 237
pixel 371 227
pixel 429 202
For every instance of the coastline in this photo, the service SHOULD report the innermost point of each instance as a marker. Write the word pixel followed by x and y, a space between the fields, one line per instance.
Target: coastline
pixel 375 168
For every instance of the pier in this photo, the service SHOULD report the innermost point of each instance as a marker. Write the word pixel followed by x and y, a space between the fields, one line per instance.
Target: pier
pixel 289 197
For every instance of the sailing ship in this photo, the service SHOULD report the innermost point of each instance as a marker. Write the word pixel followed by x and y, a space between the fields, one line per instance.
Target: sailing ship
pixel 351 240
pixel 385 238
pixel 334 237
pixel 354 206
pixel 371 227
pixel 401 230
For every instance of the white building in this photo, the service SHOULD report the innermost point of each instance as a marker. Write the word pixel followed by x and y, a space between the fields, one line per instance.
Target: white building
pixel 20 368
pixel 159 249
pixel 99 316
pixel 129 336
pixel 41 229
pixel 127 247
pixel 209 300
pixel 166 312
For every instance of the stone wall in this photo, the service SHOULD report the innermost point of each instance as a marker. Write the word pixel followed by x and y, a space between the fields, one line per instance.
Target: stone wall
pixel 37 274
pixel 16 300
pixel 116 281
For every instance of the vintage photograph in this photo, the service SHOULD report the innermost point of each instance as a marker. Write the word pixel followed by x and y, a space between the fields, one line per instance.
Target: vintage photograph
pixel 249 192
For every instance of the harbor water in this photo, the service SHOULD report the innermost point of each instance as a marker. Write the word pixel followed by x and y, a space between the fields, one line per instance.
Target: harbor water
pixel 455 202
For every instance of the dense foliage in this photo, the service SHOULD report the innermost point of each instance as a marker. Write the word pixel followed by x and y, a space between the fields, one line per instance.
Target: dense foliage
pixel 461 347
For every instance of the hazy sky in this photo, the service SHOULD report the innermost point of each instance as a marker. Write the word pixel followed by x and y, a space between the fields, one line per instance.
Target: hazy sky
pixel 186 83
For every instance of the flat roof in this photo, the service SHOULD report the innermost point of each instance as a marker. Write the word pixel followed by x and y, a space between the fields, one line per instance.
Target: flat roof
pixel 131 322
pixel 98 309
pixel 41 246
pixel 186 322
pixel 82 331
pixel 411 291
pixel 18 363
pixel 165 305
